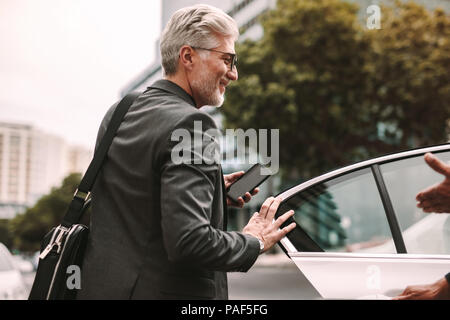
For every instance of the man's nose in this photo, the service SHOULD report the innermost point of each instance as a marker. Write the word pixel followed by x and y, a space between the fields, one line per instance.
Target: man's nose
pixel 233 74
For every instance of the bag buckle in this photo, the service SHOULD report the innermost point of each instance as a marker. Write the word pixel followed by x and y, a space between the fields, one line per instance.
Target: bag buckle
pixel 58 242
pixel 82 195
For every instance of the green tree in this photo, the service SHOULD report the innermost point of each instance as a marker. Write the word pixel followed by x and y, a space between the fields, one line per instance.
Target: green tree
pixel 6 236
pixel 410 82
pixel 30 227
pixel 315 75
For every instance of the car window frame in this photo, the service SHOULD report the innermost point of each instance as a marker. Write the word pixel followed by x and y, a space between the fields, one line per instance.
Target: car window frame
pixel 374 166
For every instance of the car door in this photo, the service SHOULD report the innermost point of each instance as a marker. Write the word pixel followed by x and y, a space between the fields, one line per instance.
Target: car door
pixel 359 233
pixel 12 286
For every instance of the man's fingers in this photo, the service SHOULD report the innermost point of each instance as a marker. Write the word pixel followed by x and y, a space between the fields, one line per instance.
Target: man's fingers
pixel 231 178
pixel 434 205
pixel 240 202
pixel 427 203
pixel 273 208
pixel 265 207
pixel 428 193
pixel 428 210
pixel 234 176
pixel 402 297
pixel 282 219
pixel 437 165
pixel 283 232
pixel 247 197
pixel 437 208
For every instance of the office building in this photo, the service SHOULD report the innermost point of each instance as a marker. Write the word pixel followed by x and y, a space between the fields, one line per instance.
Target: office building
pixel 31 163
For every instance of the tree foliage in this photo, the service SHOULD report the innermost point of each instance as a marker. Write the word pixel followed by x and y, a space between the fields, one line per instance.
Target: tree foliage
pixel 341 93
pixel 410 84
pixel 6 236
pixel 29 228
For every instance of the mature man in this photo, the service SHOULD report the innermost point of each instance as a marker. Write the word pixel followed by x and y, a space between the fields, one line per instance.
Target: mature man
pixel 433 199
pixel 157 226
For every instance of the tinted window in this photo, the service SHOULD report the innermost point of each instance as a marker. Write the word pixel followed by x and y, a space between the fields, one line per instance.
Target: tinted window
pixel 422 232
pixel 342 214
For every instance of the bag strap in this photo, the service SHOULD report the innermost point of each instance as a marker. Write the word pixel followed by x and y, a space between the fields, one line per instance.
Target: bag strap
pixel 82 194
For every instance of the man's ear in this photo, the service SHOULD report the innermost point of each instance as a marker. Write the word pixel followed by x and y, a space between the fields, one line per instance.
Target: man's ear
pixel 186 57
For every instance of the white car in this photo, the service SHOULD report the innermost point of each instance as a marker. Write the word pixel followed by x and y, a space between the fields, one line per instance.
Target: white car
pixel 359 234
pixel 12 286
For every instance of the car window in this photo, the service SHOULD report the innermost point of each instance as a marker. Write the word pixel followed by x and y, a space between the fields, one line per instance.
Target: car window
pixel 342 214
pixel 423 233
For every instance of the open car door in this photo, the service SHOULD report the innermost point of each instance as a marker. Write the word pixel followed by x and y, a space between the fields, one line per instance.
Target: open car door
pixel 359 233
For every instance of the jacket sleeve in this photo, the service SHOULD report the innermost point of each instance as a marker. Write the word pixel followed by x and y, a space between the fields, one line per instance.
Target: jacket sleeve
pixel 187 196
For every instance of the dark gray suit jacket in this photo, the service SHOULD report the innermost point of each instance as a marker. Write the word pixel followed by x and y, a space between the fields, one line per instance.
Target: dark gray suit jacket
pixel 156 226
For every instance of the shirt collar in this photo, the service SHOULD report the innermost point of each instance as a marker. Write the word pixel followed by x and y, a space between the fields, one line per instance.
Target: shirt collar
pixel 169 86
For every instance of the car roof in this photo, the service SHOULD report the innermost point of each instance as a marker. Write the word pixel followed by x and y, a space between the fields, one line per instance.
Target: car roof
pixel 361 165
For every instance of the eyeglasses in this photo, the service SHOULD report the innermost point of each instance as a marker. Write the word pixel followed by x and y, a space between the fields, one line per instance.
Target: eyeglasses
pixel 232 60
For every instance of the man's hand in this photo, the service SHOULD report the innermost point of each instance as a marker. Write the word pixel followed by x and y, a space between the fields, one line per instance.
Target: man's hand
pixel 436 198
pixel 439 290
pixel 229 180
pixel 263 227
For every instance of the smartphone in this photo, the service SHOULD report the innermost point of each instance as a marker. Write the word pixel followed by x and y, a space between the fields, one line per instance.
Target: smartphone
pixel 247 182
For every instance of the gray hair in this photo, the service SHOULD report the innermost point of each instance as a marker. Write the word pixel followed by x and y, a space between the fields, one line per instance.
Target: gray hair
pixel 195 26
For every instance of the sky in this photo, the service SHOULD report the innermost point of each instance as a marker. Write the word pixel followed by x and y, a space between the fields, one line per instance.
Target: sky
pixel 64 62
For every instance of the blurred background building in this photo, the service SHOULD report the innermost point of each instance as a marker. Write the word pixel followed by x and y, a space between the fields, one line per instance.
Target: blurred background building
pixel 31 163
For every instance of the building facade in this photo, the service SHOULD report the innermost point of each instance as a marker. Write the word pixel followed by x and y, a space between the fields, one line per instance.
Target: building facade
pixel 31 163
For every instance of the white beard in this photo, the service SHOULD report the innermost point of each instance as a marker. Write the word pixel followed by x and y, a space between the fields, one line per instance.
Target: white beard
pixel 207 91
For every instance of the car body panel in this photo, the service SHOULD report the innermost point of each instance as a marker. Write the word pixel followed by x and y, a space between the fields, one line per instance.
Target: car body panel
pixel 372 269
pixel 12 285
pixel 354 276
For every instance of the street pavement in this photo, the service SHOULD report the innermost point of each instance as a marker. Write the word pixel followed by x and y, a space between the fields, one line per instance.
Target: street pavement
pixel 273 277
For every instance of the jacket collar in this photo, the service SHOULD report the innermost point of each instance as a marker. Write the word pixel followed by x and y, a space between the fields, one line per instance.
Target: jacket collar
pixel 173 88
